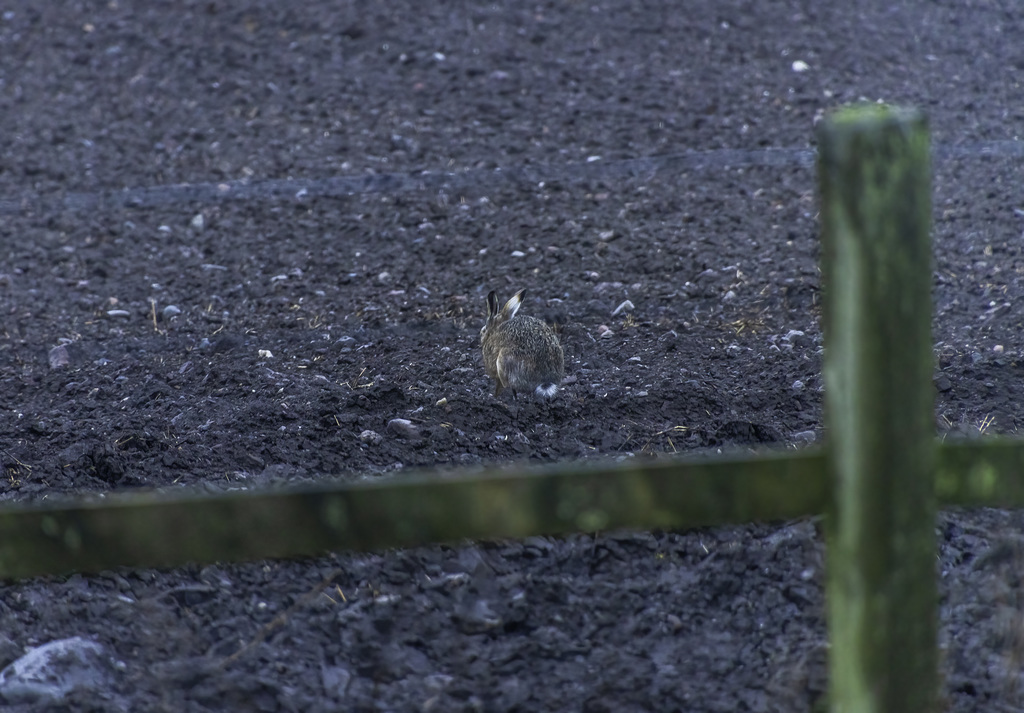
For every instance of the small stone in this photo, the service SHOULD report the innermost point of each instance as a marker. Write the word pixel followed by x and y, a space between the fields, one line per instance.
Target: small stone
pixel 441 402
pixel 729 296
pixel 798 385
pixel 371 437
pixel 800 66
pixel 477 618
pixel 122 313
pixel 625 306
pixel 59 357
pixel 998 348
pixel 265 354
pixel 48 673
pixel 198 221
pixel 170 312
pixel 518 253
pixel 404 428
pixel 335 679
pixel 942 383
pixel 796 338
pixel 805 436
pixel 604 332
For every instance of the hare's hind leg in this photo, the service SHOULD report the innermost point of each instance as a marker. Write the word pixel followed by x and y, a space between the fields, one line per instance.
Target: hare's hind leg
pixel 508 368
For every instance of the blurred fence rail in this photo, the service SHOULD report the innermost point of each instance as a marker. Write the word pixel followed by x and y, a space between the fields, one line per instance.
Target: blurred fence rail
pixel 166 530
pixel 160 530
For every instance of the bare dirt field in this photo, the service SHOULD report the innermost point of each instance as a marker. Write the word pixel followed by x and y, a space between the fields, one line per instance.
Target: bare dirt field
pixel 228 249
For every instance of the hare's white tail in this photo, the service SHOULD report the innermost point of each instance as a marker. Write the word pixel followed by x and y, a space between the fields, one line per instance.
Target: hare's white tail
pixel 547 390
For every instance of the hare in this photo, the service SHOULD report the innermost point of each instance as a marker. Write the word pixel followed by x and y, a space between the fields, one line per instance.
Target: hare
pixel 520 353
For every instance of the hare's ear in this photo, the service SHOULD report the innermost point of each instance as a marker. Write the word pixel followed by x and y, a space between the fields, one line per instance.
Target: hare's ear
pixel 492 304
pixel 513 305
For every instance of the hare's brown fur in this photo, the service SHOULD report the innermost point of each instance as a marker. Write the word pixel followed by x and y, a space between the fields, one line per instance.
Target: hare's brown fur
pixel 520 353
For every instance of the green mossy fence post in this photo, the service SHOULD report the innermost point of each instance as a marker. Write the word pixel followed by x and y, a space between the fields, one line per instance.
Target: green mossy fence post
pixel 874 174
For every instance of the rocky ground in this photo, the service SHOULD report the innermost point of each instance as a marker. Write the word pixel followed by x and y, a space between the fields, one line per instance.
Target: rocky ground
pixel 221 262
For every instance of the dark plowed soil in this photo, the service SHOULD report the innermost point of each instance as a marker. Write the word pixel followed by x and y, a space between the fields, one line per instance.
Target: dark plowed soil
pixel 309 284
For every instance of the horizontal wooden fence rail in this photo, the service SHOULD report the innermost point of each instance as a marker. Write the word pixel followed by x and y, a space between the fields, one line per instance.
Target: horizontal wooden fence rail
pixel 168 529
pixel 985 473
pixel 164 530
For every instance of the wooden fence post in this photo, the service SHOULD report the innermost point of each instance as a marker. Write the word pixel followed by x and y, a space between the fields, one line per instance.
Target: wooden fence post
pixel 874 174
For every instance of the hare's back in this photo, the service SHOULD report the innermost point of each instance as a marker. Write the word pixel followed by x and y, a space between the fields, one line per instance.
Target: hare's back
pixel 536 343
